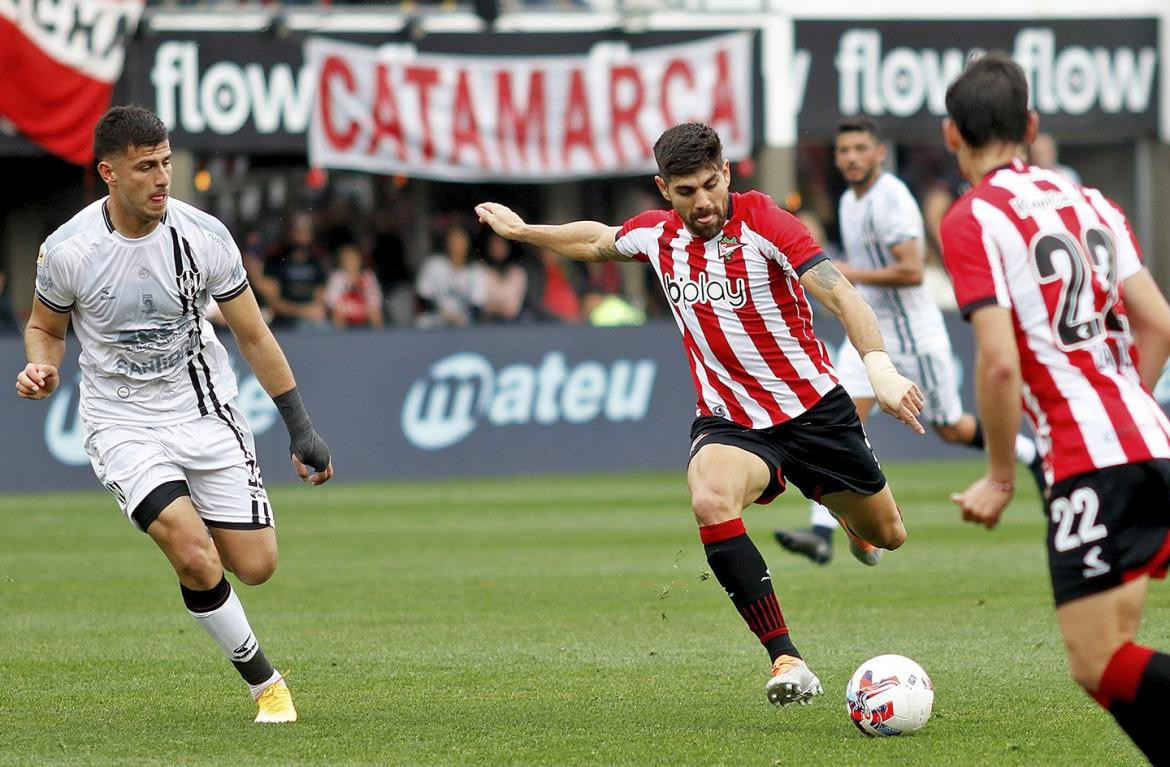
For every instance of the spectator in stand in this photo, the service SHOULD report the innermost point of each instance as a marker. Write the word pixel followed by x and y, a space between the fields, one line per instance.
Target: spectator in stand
pixel 389 262
pixel 265 288
pixel 553 295
pixel 1043 152
pixel 8 323
pixel 504 280
pixel 299 276
pixel 352 294
pixel 450 290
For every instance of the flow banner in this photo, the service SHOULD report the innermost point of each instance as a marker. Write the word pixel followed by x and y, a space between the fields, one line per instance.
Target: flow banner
pixel 58 65
pixel 1092 78
pixel 395 110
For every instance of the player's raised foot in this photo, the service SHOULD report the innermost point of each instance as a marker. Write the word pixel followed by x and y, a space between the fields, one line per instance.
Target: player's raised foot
pixel 275 704
pixel 863 551
pixel 806 543
pixel 792 682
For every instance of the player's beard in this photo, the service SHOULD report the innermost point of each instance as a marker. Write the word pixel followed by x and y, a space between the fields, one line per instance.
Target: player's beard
pixel 864 181
pixel 706 232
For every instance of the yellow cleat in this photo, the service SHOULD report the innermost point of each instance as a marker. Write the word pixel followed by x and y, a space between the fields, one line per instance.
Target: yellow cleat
pixel 275 704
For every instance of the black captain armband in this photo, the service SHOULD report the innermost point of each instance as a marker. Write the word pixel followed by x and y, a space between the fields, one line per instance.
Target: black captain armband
pixel 304 441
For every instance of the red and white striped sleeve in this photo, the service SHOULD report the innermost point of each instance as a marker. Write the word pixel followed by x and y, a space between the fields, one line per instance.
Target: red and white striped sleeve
pixel 784 230
pixel 638 237
pixel 972 260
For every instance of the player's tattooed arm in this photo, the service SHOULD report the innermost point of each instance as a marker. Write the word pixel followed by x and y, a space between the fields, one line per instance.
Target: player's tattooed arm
pixel 828 286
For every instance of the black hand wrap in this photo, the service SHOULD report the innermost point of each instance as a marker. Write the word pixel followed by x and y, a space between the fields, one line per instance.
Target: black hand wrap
pixel 304 441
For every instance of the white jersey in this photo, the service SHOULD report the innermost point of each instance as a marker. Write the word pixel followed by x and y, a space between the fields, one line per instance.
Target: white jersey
pixel 148 355
pixel 886 215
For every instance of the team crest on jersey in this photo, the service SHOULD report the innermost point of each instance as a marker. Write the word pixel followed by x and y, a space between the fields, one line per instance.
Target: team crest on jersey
pixel 728 245
pixel 188 284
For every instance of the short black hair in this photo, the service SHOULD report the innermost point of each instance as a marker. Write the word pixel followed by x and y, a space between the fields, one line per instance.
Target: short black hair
pixel 125 126
pixel 988 102
pixel 860 124
pixel 686 148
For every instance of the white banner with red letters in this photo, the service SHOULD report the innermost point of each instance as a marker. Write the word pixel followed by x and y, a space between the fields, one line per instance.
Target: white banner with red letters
pixel 59 60
pixel 394 110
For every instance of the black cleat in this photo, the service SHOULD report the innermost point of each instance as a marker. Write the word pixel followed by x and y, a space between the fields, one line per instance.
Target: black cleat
pixel 806 543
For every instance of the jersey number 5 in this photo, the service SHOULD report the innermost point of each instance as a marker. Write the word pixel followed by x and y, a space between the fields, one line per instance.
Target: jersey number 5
pixel 1060 258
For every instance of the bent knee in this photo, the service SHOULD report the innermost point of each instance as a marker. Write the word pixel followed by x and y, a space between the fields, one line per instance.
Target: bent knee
pixel 891 535
pixel 1086 666
pixel 255 571
pixel 951 433
pixel 1086 674
pixel 198 564
pixel 711 507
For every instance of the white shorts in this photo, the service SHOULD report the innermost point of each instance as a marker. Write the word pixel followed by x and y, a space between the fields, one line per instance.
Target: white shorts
pixel 935 373
pixel 215 456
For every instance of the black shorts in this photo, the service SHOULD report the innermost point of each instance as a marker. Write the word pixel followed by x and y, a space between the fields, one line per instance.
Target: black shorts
pixel 1108 527
pixel 823 450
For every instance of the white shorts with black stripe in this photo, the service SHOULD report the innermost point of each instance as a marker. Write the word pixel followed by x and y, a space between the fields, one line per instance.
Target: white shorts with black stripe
pixel 214 454
pixel 935 372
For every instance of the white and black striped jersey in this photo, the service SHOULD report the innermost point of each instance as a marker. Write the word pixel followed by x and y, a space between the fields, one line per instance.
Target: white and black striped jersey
pixel 148 355
pixel 871 225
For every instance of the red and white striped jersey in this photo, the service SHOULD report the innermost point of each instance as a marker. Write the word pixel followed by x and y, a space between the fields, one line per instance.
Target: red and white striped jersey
pixel 745 321
pixel 1055 254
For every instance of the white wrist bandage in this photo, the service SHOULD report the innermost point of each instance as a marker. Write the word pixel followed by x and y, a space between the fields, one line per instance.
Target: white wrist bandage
pixel 888 385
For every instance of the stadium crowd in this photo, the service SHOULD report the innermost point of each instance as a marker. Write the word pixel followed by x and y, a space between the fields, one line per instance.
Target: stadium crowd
pixel 339 265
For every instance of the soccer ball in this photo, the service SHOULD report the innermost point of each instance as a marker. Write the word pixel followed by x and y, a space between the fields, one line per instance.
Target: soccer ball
pixel 889 695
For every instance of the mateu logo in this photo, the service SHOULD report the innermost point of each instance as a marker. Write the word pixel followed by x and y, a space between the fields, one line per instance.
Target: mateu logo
pixel 462 390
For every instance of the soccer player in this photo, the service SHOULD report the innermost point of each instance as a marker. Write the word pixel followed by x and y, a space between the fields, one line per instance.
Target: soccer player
pixel 735 269
pixel 882 236
pixel 135 271
pixel 1068 321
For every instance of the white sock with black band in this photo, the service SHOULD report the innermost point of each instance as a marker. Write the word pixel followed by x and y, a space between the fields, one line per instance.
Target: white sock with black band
pixel 221 614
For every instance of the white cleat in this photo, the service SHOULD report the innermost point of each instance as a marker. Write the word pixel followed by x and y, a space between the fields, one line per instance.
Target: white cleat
pixel 792 682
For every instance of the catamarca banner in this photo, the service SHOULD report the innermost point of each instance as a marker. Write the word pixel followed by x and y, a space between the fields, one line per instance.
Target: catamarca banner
pixel 1093 78
pixel 58 65
pixel 393 109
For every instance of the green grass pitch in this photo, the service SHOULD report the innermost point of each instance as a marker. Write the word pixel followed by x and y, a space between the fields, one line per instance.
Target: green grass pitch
pixel 534 621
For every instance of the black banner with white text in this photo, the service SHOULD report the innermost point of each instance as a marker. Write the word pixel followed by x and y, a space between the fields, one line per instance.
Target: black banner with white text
pixel 1089 78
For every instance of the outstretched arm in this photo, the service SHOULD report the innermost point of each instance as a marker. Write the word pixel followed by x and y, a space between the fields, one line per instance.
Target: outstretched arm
pixel 896 395
pixel 267 360
pixel 578 240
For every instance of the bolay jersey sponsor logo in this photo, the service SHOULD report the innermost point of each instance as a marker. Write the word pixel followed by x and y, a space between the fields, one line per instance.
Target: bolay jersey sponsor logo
pixel 687 292
pixel 463 390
